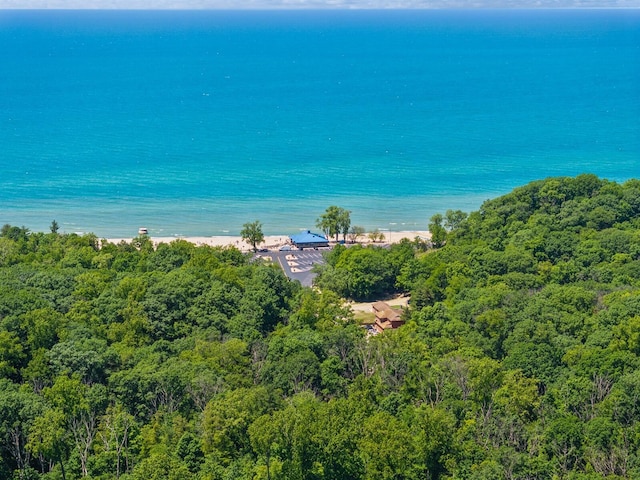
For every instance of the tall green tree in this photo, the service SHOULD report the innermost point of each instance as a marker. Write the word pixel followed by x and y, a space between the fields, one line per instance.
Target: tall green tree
pixel 115 430
pixel 335 221
pixel 18 410
pixel 252 233
pixel 387 449
pixel 344 222
pixel 437 230
pixel 356 232
pixel 49 439
pixel 453 219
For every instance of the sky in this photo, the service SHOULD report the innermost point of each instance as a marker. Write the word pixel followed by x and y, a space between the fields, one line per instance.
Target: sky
pixel 295 4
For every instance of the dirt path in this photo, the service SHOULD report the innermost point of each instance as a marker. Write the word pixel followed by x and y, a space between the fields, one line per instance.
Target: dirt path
pixel 366 307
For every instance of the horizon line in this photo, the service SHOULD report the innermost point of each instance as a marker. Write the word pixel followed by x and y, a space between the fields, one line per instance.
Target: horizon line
pixel 316 8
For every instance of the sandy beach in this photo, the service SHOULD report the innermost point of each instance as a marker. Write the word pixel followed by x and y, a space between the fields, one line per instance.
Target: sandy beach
pixel 271 242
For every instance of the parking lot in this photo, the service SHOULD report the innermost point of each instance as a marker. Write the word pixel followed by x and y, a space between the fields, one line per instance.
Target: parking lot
pixel 296 264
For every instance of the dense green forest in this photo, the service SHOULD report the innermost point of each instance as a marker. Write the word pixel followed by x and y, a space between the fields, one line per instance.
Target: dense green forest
pixel 519 358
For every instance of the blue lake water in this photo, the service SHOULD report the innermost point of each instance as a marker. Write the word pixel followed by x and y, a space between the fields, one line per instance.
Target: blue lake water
pixel 193 123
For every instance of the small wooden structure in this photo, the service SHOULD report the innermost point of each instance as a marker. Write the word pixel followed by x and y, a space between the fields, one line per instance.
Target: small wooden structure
pixel 386 317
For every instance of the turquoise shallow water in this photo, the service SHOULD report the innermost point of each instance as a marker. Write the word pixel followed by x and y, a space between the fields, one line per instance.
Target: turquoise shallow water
pixel 193 123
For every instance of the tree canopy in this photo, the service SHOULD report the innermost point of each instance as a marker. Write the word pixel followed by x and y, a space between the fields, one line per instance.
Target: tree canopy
pixel 335 221
pixel 252 233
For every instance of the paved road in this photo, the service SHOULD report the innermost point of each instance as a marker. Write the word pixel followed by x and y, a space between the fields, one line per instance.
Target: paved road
pixel 297 264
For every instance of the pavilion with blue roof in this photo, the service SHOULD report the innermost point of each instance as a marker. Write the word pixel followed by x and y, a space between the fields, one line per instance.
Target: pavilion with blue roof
pixel 309 240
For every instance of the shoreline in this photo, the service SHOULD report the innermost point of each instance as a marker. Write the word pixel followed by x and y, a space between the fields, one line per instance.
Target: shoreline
pixel 270 242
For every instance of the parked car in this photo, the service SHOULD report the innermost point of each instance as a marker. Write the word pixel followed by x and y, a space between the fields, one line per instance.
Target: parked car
pixel 286 248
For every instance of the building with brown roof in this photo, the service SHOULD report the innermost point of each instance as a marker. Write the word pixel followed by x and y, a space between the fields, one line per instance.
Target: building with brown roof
pixel 386 317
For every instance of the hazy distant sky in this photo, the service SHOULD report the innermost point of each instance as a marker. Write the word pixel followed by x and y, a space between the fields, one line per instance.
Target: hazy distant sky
pixel 294 4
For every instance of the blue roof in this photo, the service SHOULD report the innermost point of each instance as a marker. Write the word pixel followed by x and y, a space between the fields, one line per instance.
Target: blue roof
pixel 308 237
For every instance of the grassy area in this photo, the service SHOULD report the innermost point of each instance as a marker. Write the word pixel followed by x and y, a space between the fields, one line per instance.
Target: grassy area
pixel 364 317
